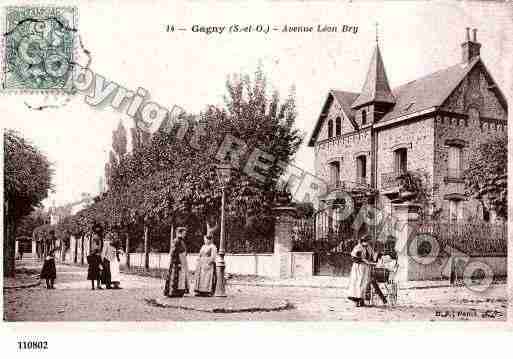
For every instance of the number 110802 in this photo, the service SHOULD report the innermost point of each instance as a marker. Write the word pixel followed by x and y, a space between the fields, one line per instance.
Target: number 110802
pixel 32 345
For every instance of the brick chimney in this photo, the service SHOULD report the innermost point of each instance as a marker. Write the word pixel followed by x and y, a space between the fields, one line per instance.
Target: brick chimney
pixel 470 48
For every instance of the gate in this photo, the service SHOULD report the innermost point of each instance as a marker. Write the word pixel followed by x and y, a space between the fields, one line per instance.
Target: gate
pixel 333 257
pixel 330 237
pixel 331 242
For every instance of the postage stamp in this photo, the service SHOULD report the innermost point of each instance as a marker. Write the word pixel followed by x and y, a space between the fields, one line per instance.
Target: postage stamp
pixel 38 48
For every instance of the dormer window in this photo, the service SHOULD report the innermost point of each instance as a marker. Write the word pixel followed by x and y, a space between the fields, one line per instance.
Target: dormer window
pixel 364 117
pixel 330 129
pixel 338 126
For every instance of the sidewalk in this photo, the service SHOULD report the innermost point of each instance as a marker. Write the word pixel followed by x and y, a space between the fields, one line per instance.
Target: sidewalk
pixel 24 278
pixel 327 282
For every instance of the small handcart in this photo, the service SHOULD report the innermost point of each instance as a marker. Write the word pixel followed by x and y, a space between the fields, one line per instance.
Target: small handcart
pixel 384 275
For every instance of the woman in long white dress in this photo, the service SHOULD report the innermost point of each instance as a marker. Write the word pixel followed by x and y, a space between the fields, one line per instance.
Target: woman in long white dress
pixel 360 278
pixel 115 275
pixel 205 273
pixel 110 255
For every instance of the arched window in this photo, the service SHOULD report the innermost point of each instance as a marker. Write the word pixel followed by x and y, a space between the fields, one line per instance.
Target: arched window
pixel 364 117
pixel 338 127
pixel 330 129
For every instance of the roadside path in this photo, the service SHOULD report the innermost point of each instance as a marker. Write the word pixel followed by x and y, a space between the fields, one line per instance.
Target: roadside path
pixel 73 300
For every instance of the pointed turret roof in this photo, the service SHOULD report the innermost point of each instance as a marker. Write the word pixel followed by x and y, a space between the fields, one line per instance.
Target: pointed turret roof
pixel 376 87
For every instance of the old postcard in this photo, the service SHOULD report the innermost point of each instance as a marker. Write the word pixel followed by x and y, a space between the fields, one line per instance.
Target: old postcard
pixel 277 161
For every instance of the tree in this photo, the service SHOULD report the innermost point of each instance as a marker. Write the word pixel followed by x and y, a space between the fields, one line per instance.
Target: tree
pixel 166 179
pixel 486 176
pixel 27 180
pixel 28 223
pixel 119 140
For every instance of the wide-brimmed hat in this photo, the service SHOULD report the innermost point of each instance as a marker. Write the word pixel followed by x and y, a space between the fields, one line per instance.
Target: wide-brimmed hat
pixel 181 229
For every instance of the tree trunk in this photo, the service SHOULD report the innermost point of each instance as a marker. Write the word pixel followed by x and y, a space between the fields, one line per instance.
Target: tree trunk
pixel 171 236
pixel 146 245
pixel 127 247
pixel 82 250
pixel 75 255
pixel 9 248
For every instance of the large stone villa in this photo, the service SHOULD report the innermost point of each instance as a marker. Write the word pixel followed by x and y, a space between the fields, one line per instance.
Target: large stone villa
pixel 428 126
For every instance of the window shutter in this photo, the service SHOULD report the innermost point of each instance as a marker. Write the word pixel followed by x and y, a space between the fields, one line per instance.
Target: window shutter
pixel 397 162
pixel 455 159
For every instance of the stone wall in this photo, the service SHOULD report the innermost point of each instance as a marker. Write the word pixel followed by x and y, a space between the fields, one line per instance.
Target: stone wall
pixel 246 264
pixel 474 116
pixel 417 136
pixel 344 149
pixel 334 111
pixel 473 134
pixel 436 270
pixel 476 90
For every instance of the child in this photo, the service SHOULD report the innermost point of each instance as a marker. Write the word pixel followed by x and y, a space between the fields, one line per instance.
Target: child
pixel 49 272
pixel 94 269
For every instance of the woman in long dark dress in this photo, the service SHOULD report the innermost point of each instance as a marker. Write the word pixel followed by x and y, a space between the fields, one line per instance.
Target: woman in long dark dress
pixel 94 270
pixel 49 271
pixel 177 281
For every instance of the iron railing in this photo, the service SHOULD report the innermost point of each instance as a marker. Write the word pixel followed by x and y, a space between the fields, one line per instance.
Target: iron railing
pixel 359 184
pixel 390 179
pixel 472 238
pixel 245 244
pixel 476 239
pixel 323 233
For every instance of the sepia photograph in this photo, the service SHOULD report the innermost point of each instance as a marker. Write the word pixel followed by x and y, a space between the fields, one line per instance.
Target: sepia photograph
pixel 289 161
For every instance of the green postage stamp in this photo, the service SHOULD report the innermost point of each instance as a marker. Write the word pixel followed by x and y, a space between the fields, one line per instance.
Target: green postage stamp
pixel 37 48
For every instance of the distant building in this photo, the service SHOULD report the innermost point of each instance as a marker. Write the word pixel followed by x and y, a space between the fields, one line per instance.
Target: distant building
pixel 101 185
pixel 57 214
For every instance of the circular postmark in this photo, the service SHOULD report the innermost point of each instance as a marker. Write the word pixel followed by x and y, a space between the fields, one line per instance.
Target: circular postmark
pixel 39 48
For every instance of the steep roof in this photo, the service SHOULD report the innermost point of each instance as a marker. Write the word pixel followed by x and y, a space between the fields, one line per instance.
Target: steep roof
pixel 428 91
pixel 376 87
pixel 345 99
pixel 422 94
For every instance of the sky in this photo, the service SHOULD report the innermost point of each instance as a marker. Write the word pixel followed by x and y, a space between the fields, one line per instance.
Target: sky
pixel 132 48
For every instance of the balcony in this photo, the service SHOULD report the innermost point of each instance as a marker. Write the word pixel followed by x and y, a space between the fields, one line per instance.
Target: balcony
pixel 393 186
pixel 390 181
pixel 348 186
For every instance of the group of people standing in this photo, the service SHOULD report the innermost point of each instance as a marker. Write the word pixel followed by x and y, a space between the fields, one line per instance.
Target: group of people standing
pixel 103 263
pixel 177 280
